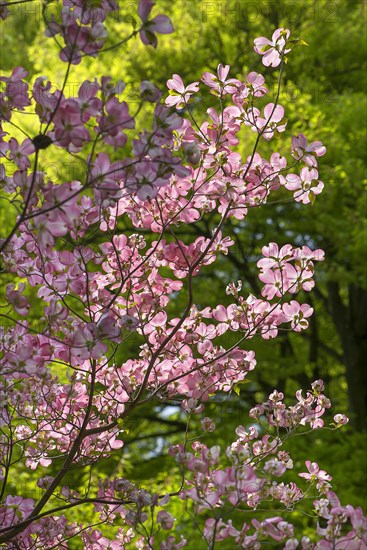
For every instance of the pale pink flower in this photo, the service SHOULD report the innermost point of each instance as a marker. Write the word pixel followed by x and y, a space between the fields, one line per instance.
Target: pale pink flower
pixel 271 122
pixel 305 186
pixel 297 314
pixel 117 117
pixel 160 24
pixel 24 505
pixel 341 419
pixel 256 82
pixel 179 94
pixel 315 473
pixel 301 150
pixel 318 386
pixel 272 50
pixel 17 91
pixel 219 84
pixel 19 153
pixel 90 105
pixel 273 257
pixel 69 129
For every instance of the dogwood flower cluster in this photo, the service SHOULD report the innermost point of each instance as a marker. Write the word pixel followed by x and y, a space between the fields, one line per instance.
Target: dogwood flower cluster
pixel 100 262
pixel 249 472
pixel 256 466
pixel 82 27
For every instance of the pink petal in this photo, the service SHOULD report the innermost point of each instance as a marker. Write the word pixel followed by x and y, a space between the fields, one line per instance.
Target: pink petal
pixel 19 73
pixel 223 72
pixel 271 58
pixel 144 9
pixel 175 83
pixel 161 24
pixel 148 39
pixel 260 43
pixel 278 32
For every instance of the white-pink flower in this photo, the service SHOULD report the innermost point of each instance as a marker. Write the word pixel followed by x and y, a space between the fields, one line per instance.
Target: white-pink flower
pixel 315 473
pixel 305 186
pixel 179 94
pixel 271 122
pixel 19 153
pixel 218 83
pixel 272 50
pixel 341 419
pixel 273 257
pixel 301 150
pixel 297 315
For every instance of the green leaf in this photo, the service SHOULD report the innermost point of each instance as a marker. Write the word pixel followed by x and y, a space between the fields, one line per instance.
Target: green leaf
pixel 236 389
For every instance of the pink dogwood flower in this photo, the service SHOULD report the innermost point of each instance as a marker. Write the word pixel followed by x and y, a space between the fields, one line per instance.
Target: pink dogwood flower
pixel 301 150
pixel 19 152
pixel 297 315
pixel 116 119
pixel 160 24
pixel 90 105
pixel 268 124
pixel 70 131
pixel 273 257
pixel 16 90
pixel 218 83
pixel 15 298
pixel 19 504
pixel 315 473
pixel 272 50
pixel 305 186
pixel 179 94
pixel 341 419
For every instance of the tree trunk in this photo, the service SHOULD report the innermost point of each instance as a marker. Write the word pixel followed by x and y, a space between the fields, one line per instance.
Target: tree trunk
pixel 351 322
